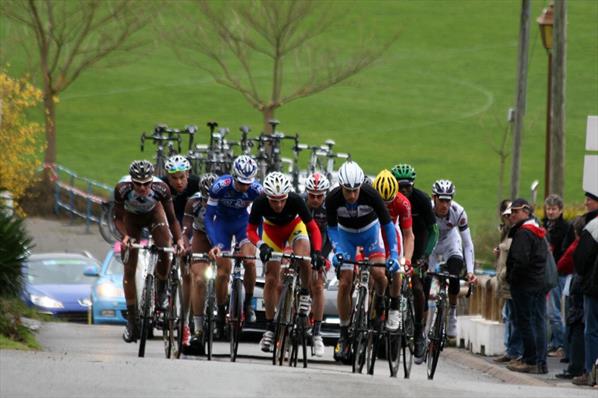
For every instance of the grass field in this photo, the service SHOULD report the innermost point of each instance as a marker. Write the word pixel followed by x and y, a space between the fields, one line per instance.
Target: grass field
pixel 437 100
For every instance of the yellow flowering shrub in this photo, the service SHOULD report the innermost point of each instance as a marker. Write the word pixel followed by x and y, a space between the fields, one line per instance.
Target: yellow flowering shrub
pixel 20 140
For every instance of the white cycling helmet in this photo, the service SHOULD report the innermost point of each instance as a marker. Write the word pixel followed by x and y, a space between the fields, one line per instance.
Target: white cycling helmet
pixel 177 163
pixel 317 183
pixel 350 175
pixel 443 189
pixel 244 169
pixel 277 185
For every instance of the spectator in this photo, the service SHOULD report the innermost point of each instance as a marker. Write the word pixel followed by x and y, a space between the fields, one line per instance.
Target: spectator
pixel 556 227
pixel 525 273
pixel 512 338
pixel 586 266
pixel 573 308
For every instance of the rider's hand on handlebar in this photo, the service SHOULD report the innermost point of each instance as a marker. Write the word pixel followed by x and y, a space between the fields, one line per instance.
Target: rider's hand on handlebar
pixel 214 252
pixel 407 267
pixel 317 261
pixel 180 247
pixel 125 241
pixel 265 252
pixel 471 278
pixel 337 259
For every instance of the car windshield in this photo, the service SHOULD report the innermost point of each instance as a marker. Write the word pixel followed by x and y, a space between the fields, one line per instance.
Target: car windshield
pixel 116 266
pixel 63 271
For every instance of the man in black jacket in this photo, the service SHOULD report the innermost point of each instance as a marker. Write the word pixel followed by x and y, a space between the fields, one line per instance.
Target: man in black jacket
pixel 586 266
pixel 557 228
pixel 525 273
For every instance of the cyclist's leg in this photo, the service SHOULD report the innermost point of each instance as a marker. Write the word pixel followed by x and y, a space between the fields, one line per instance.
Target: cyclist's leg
pixel 223 238
pixel 249 276
pixel 161 235
pixel 455 265
pixel 317 309
pixel 199 244
pixel 373 244
pixel 129 285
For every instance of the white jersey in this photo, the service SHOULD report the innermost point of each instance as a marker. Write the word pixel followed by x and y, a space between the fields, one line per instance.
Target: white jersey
pixel 454 237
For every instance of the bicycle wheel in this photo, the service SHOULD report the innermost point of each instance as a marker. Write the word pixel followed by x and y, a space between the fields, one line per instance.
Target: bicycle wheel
pixel 210 319
pixel 281 333
pixel 434 346
pixel 145 313
pixel 173 329
pixel 303 337
pixel 373 344
pixel 235 320
pixel 408 337
pixel 105 221
pixel 359 342
pixel 394 344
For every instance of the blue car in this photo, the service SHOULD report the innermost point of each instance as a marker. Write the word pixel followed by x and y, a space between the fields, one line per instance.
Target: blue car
pixel 59 284
pixel 108 304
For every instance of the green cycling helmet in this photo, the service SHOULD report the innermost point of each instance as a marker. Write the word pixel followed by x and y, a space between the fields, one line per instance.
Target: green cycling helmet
pixel 403 172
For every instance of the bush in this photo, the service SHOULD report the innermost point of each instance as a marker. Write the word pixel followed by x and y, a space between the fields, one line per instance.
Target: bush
pixel 14 249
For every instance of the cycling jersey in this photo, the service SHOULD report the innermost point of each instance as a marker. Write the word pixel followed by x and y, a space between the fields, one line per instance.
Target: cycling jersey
pixel 126 199
pixel 179 199
pixel 450 242
pixel 226 214
pixel 319 215
pixel 400 213
pixel 196 209
pixel 293 208
pixel 362 219
pixel 423 221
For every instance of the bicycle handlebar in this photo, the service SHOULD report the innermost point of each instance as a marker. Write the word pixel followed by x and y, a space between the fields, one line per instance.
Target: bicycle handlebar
pixel 451 276
pixel 151 247
pixel 236 256
pixel 290 256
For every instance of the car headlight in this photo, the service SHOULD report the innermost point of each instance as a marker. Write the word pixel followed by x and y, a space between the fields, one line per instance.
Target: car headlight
pixel 108 289
pixel 45 301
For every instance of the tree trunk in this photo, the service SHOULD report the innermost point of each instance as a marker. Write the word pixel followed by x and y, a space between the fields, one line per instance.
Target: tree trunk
pixel 557 127
pixel 50 122
pixel 268 113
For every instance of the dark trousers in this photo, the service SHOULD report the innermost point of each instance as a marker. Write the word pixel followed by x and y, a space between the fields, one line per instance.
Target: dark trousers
pixel 530 319
pixel 576 348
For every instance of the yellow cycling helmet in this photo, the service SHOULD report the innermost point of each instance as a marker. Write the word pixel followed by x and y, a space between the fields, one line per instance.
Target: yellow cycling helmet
pixel 386 184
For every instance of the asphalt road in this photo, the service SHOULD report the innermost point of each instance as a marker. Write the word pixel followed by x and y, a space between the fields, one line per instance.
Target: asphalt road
pixel 93 361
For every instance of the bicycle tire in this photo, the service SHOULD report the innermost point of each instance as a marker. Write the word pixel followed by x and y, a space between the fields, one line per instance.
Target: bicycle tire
pixel 373 344
pixel 281 330
pixel 408 338
pixel 210 319
pixel 172 330
pixel 181 314
pixel 434 346
pixel 394 345
pixel 358 345
pixel 235 320
pixel 148 290
pixel 303 331
pixel 104 225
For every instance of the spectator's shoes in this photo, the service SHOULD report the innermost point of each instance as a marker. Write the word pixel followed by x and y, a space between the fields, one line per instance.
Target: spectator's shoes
pixel 584 380
pixel 318 343
pixel 392 323
pixel 565 375
pixel 503 359
pixel 523 367
pixel 267 341
pixel 558 353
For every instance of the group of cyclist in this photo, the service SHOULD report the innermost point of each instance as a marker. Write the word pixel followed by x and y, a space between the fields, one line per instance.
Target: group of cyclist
pixel 387 220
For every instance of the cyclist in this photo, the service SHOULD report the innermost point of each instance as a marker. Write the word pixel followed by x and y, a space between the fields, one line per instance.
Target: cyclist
pixel 400 213
pixel 456 248
pixel 143 202
pixel 182 186
pixel 193 222
pixel 425 231
pixel 286 219
pixel 355 211
pixel 226 217
pixel 316 188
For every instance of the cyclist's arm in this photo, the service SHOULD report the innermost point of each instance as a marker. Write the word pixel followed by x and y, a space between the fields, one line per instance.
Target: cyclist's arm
pixel 173 223
pixel 119 213
pixel 391 239
pixel 432 239
pixel 188 221
pixel 211 208
pixel 467 248
pixel 408 242
pixel 314 235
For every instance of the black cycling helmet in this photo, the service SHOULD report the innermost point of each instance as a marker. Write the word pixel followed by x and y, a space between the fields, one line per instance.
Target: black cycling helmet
pixel 205 183
pixel 141 171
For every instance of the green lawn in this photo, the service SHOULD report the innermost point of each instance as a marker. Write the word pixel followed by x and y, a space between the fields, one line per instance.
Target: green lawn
pixel 436 100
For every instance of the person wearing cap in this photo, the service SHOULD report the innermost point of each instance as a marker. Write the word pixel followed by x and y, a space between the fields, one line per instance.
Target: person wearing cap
pixel 586 266
pixel 556 227
pixel 512 337
pixel 526 262
pixel 143 201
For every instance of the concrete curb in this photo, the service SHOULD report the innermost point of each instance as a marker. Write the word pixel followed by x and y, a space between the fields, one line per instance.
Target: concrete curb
pixel 498 372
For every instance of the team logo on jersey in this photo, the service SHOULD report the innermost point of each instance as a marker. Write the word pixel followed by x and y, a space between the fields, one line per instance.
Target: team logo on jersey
pixel 220 184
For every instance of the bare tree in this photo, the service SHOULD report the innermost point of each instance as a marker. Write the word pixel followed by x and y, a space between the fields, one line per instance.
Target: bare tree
pixel 70 37
pixel 240 43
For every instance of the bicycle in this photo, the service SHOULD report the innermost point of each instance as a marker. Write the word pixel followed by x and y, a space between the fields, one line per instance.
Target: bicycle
pixel 404 338
pixel 291 326
pixel 172 331
pixel 210 304
pixel 236 314
pixel 359 331
pixel 437 337
pixel 147 303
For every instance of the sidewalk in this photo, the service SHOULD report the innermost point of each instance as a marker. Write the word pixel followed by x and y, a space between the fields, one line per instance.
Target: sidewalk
pixel 487 365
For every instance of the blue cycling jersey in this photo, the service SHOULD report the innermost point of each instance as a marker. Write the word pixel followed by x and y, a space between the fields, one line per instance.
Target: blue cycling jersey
pixel 226 205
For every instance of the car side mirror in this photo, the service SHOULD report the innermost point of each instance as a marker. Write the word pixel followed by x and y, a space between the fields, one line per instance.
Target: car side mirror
pixel 91 270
